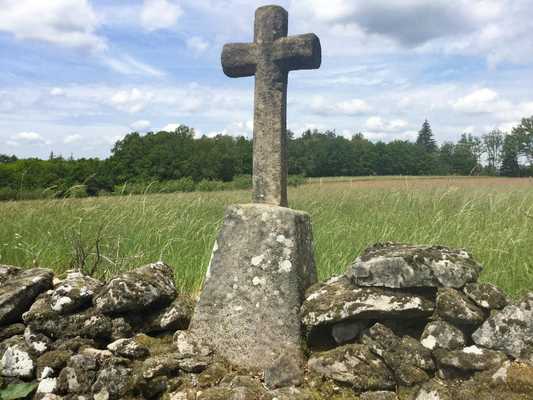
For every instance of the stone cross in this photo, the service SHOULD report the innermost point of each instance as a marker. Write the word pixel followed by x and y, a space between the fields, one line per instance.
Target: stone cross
pixel 270 58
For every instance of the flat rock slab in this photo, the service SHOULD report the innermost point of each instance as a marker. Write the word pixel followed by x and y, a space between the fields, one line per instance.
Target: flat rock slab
pixel 339 299
pixel 262 263
pixel 18 290
pixel 396 265
pixel 470 358
pixel 150 286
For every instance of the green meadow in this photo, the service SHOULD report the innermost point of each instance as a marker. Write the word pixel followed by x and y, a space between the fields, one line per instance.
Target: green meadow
pixel 490 217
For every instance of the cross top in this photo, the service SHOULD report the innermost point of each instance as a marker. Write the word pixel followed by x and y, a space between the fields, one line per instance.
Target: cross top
pixel 270 58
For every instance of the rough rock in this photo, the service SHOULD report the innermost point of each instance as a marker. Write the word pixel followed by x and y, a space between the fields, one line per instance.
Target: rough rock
pixel 212 375
pixel 486 295
pixel 128 348
pixel 396 265
pixel 159 365
pixel 112 382
pixel 346 331
pixel 454 307
pixel 406 357
pixel 175 316
pixel 89 323
pixel 17 360
pixel 121 328
pixel 435 389
pixel 150 286
pixel 286 371
pixel 75 292
pixel 470 358
pixel 262 263
pixel 38 342
pixel 509 330
pixel 189 345
pixel 441 334
pixel 511 381
pixel 355 365
pixel 78 376
pixel 339 300
pixel 11 330
pixel 47 386
pixel 379 395
pixel 19 289
pixel 54 360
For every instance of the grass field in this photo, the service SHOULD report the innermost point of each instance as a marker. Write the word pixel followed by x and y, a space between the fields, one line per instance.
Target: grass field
pixel 491 217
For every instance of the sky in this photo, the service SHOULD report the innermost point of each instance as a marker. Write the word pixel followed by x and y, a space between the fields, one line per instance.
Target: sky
pixel 78 75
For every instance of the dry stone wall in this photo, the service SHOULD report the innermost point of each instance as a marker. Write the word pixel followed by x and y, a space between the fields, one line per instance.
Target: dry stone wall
pixel 404 322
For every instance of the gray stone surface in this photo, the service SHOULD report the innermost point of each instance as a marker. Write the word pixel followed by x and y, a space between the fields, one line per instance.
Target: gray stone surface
pixel 129 348
pixel 456 308
pixel 262 263
pixel 346 331
pixel 354 365
pixel 270 58
pixel 339 299
pixel 18 290
pixel 406 357
pixel 379 395
pixel 146 287
pixel 397 265
pixel 16 359
pixel 470 358
pixel 76 291
pixel 176 315
pixel 509 330
pixel 486 295
pixel 442 335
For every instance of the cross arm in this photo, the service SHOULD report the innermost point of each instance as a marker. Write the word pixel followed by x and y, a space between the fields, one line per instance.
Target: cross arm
pixel 239 59
pixel 298 52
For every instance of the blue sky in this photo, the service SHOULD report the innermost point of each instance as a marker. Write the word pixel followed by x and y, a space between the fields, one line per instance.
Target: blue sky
pixel 77 75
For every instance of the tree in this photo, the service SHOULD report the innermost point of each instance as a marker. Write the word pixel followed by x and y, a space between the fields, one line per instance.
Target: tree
pixel 524 135
pixel 4 159
pixel 425 138
pixel 510 151
pixel 493 142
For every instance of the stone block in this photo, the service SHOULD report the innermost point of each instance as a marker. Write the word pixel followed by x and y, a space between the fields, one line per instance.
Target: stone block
pixel 262 263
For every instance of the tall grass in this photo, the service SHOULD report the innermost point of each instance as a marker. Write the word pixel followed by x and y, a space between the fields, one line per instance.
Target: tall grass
pixel 494 221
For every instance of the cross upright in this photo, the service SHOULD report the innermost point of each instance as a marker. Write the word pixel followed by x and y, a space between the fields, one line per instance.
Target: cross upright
pixel 270 58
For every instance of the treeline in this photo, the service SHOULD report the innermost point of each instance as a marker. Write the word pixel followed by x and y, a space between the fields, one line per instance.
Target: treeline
pixel 177 161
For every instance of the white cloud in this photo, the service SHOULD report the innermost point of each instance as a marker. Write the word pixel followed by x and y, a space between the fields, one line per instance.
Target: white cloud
pixel 481 101
pixel 498 30
pixel 68 23
pixel 160 14
pixel 128 65
pixel 322 106
pixel 28 138
pixel 170 127
pixel 141 125
pixel 132 101
pixel 376 123
pixel 57 92
pixel 72 139
pixel 197 44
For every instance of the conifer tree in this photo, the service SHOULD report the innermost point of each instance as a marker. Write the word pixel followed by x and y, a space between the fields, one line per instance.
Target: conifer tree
pixel 425 138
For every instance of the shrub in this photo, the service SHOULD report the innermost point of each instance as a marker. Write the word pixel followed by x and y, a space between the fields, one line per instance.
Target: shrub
pixel 209 186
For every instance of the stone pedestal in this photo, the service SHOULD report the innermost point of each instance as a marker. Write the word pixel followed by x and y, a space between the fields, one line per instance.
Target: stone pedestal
pixel 262 263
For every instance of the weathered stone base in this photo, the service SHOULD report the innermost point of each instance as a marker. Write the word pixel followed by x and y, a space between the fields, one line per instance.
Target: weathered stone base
pixel 262 263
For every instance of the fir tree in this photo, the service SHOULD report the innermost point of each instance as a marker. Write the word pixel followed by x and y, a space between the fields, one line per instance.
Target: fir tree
pixel 425 138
